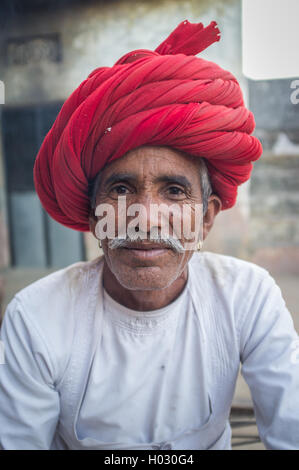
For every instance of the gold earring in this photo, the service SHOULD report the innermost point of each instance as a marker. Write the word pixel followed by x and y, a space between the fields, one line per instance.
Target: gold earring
pixel 100 244
pixel 199 246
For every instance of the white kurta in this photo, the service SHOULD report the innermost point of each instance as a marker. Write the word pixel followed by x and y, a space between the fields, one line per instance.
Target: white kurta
pixel 84 372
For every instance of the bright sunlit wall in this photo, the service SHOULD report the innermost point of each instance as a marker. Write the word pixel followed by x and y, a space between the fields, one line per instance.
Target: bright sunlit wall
pixel 270 39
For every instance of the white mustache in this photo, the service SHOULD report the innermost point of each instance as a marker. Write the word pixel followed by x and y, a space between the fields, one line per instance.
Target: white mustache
pixel 170 241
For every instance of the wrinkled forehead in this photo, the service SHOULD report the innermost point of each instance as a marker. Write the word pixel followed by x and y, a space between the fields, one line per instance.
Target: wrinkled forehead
pixel 154 161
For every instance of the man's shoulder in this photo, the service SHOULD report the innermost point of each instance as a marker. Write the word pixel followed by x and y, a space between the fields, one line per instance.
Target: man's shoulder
pixel 226 270
pixel 235 289
pixel 46 309
pixel 57 284
pixel 51 298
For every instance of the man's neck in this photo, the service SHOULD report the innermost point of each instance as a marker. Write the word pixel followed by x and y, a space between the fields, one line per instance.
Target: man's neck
pixel 143 300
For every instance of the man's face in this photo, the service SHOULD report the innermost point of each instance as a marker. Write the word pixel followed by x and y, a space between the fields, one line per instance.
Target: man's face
pixel 147 176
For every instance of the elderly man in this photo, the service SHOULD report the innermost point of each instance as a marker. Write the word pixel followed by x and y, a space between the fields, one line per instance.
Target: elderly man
pixel 140 348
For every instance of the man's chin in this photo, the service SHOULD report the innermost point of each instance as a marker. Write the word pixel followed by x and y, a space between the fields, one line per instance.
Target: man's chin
pixel 144 278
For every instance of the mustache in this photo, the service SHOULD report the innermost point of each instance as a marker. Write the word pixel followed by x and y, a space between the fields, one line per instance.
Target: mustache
pixel 169 241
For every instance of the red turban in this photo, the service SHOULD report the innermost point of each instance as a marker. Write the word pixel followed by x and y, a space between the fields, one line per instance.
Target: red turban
pixel 166 97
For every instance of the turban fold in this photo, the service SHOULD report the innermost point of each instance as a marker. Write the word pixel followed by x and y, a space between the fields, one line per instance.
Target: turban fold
pixel 167 97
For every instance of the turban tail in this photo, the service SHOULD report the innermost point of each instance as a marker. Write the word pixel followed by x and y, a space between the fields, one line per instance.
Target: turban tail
pixel 166 97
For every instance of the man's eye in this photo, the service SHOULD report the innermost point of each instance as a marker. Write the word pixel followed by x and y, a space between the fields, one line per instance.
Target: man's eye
pixel 174 190
pixel 120 189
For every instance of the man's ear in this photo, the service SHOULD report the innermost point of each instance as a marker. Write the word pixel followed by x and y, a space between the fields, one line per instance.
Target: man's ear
pixel 214 207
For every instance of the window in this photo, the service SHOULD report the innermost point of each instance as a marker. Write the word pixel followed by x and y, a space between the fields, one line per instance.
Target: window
pixel 36 240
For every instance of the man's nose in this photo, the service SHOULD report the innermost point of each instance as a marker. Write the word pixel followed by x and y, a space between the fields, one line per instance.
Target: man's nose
pixel 147 215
